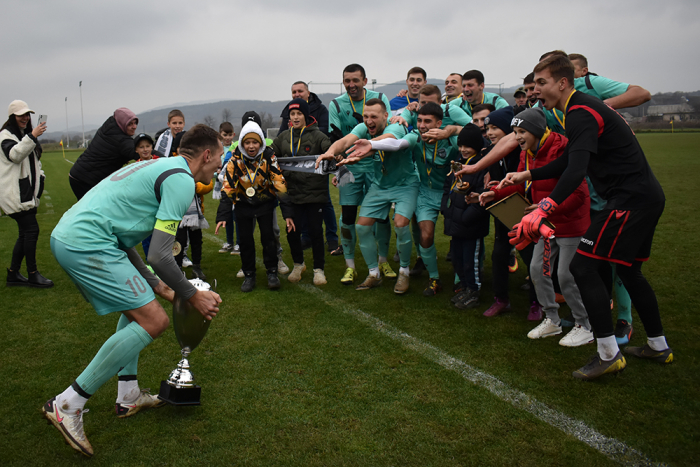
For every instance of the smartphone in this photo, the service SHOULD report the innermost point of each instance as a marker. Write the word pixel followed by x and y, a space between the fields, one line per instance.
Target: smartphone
pixel 42 119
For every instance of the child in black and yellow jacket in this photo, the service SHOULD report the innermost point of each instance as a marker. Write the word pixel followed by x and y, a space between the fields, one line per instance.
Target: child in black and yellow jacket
pixel 252 182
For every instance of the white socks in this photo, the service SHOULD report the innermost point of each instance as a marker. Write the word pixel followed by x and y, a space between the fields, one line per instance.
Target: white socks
pixel 382 259
pixel 607 348
pixel 404 271
pixel 657 343
pixel 374 272
pixel 128 391
pixel 350 263
pixel 70 401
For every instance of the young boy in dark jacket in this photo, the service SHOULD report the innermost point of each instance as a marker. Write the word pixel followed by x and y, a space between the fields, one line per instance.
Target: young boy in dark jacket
pixel 253 180
pixel 465 220
pixel 307 192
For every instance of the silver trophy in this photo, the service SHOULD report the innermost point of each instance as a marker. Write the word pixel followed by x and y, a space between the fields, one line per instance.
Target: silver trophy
pixel 190 327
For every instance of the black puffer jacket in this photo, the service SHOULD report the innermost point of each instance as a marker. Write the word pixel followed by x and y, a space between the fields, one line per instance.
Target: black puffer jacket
pixel 470 221
pixel 304 188
pixel 108 151
pixel 316 109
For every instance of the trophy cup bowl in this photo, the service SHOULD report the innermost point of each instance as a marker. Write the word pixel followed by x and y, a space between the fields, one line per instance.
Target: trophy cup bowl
pixel 190 327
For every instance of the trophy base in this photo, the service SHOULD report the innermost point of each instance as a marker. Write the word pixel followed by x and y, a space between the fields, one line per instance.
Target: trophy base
pixel 179 396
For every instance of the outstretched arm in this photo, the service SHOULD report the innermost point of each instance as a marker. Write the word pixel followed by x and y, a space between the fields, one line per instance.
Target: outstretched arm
pixel 504 147
pixel 337 149
pixel 634 96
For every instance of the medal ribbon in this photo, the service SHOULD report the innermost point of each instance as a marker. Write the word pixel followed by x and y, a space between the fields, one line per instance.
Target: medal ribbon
pixel 363 102
pixel 563 122
pixel 429 169
pixel 255 174
pixel 291 141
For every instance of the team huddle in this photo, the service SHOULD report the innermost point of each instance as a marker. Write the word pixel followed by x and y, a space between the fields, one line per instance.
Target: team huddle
pixel 592 206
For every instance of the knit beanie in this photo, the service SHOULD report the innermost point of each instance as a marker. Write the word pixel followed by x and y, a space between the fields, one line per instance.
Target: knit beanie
pixel 470 136
pixel 251 116
pixel 501 118
pixel 124 116
pixel 302 106
pixel 532 120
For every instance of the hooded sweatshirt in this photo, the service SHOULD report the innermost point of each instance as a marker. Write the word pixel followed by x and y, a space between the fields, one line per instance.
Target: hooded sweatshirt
pixel 260 172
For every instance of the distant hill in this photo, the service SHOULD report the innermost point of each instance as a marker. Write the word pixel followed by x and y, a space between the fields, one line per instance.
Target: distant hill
pixel 212 113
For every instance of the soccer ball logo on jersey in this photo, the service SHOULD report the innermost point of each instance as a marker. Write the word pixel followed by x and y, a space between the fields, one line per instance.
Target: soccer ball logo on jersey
pixel 442 153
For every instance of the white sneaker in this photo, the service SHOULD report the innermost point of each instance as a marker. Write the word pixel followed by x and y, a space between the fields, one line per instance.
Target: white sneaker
pixel 236 250
pixel 281 267
pixel 240 274
pixel 146 400
pixel 70 425
pixel 577 336
pixel 295 276
pixel 226 248
pixel 545 329
pixel 319 277
pixel 186 263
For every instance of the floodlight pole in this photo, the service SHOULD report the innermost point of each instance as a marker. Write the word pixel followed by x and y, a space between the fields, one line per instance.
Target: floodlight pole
pixel 67 134
pixel 82 119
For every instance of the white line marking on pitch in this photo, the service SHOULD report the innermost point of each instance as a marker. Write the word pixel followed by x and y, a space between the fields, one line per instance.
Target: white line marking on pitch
pixel 609 447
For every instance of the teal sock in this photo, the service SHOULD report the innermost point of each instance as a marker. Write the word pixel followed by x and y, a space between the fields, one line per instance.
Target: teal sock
pixel 347 239
pixel 404 245
pixel 415 233
pixel 131 367
pixel 368 245
pixel 624 302
pixel 383 236
pixel 118 351
pixel 429 256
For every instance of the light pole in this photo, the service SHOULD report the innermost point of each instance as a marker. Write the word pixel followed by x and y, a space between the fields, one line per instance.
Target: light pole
pixel 82 119
pixel 67 134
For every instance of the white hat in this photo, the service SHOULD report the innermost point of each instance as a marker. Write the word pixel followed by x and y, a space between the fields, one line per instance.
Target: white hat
pixel 18 108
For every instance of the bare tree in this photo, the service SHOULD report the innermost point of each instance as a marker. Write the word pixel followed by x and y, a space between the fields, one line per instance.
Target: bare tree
pixel 226 115
pixel 209 121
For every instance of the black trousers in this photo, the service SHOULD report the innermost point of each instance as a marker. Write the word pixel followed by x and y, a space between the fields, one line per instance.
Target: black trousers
pixel 246 242
pixel 25 246
pixel 195 236
pixel 79 188
pixel 313 213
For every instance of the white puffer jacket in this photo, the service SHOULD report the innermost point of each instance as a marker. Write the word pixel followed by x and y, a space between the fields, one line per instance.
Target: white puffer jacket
pixel 19 191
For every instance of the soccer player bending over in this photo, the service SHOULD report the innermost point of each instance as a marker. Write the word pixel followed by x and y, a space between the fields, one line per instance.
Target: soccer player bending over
pixel 94 243
pixel 602 145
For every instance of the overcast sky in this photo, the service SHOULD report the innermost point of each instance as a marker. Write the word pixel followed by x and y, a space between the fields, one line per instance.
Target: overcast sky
pixel 145 54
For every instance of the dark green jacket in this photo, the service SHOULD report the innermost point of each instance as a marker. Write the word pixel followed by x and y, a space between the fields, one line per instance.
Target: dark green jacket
pixel 304 188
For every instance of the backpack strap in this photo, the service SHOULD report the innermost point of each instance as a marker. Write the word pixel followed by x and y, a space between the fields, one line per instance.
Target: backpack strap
pixel 161 178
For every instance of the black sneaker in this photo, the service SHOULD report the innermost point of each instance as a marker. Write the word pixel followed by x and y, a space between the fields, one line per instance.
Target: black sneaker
pixel 249 283
pixel 434 286
pixel 332 245
pixel 660 356
pixel 197 272
pixel 598 367
pixel 338 251
pixel 460 295
pixel 623 332
pixel 471 300
pixel 273 282
pixel 417 269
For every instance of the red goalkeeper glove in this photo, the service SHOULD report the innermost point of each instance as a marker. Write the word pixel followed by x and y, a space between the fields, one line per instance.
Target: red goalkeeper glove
pixel 533 225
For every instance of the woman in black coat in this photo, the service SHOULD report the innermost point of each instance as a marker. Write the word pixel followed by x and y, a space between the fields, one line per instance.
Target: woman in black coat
pixel 110 148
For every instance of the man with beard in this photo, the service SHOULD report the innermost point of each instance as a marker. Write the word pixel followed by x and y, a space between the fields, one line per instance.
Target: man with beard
pixel 346 112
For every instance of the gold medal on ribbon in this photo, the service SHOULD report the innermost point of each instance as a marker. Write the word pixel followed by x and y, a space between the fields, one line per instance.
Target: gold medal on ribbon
pixel 177 248
pixel 250 192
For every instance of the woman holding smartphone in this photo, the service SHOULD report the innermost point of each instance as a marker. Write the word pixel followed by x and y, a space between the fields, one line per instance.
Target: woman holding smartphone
pixel 21 184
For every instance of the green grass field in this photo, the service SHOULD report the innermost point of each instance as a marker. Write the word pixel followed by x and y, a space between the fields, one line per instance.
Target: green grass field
pixel 330 376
